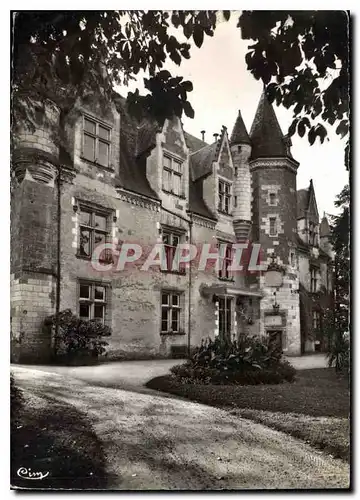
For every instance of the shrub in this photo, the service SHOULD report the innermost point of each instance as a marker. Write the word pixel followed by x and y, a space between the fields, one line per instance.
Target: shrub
pixel 78 338
pixel 339 353
pixel 16 400
pixel 249 361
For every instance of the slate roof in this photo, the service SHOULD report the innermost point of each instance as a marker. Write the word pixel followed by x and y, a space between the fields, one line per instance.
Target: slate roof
pixel 239 134
pixel 302 202
pixel 266 136
pixel 324 228
pixel 194 143
pixel 197 204
pixel 135 141
pixel 201 161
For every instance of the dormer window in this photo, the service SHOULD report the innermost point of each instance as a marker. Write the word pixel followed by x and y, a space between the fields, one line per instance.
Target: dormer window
pixel 96 142
pixel 172 176
pixel 312 234
pixel 224 197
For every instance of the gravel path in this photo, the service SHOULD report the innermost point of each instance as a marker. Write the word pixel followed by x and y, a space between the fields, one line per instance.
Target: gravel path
pixel 156 443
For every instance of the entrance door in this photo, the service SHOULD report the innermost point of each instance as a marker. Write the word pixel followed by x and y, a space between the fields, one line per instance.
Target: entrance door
pixel 225 317
pixel 275 339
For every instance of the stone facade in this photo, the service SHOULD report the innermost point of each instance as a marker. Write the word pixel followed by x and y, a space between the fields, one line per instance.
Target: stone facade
pixel 156 182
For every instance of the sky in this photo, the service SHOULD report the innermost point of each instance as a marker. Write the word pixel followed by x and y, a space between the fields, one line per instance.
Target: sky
pixel 222 85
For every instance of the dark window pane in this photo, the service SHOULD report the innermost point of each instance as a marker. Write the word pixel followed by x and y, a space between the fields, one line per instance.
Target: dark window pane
pixel 227 203
pixel 84 311
pixel 175 300
pixel 175 320
pixel 104 133
pixel 85 218
pixel 166 238
pixel 175 240
pixel 99 293
pixel 164 314
pixel 99 312
pixel 227 188
pixel 89 147
pixel 164 326
pixel 103 153
pixel 165 298
pixel 84 248
pixel 84 291
pixel 100 222
pixel 89 126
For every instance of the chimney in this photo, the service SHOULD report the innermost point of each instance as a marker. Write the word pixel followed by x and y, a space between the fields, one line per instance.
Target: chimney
pixel 216 137
pixel 202 135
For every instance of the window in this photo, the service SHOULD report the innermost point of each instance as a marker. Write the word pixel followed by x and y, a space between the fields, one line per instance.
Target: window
pixel 92 301
pixel 93 227
pixel 236 172
pixel 235 201
pixel 172 176
pixel 225 261
pixel 224 197
pixel 313 280
pixel 171 240
pixel 312 234
pixel 273 229
pixel 292 259
pixel 316 320
pixel 96 142
pixel 170 312
pixel 272 199
pixel 225 317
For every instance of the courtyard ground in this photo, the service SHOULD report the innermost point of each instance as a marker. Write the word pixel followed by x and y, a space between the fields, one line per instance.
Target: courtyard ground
pixel 315 407
pixel 154 442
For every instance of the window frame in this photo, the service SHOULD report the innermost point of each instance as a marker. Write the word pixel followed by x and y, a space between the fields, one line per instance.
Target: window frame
pixel 170 307
pixel 312 234
pixel 313 280
pixel 316 320
pixel 96 136
pixel 275 233
pixel 170 248
pixel 225 261
pixel 93 211
pixel 223 196
pixel 173 172
pixel 91 301
pixel 225 315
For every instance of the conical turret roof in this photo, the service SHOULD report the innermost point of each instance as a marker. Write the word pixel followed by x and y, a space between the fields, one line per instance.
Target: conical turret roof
pixel 239 134
pixel 266 136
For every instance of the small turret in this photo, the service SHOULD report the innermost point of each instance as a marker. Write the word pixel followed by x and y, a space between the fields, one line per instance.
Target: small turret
pixel 241 149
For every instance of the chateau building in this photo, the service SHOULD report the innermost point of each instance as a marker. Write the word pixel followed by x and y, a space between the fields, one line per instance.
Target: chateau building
pixel 123 183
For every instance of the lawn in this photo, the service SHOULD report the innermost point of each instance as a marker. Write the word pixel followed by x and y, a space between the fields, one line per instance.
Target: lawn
pixel 58 439
pixel 316 405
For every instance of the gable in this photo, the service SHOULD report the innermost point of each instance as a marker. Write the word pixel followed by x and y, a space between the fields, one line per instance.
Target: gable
pixel 312 206
pixel 223 156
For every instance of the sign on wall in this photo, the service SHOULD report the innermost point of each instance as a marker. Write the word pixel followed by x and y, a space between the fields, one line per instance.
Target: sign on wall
pixel 273 320
pixel 273 278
